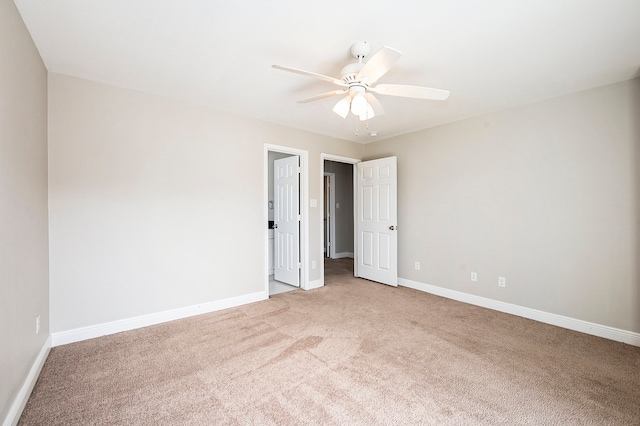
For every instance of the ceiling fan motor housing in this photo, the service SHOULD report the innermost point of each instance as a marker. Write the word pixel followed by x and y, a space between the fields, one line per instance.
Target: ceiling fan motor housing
pixel 349 73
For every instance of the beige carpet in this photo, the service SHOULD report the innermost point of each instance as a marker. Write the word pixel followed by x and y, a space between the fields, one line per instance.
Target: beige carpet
pixel 353 352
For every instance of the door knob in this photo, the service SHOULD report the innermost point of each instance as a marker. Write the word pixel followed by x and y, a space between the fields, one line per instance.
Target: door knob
pixel 393 228
pixel 275 225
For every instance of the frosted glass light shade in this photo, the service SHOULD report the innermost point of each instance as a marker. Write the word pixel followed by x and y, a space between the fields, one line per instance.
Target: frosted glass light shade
pixel 359 104
pixel 342 107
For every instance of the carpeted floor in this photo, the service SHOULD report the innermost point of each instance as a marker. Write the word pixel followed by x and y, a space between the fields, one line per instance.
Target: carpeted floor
pixel 353 352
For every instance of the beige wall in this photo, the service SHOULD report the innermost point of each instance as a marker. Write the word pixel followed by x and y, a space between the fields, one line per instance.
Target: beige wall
pixel 157 204
pixel 546 195
pixel 24 292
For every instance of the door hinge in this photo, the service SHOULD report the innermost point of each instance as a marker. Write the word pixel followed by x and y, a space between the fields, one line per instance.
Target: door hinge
pixel 299 265
pixel 299 169
pixel 299 218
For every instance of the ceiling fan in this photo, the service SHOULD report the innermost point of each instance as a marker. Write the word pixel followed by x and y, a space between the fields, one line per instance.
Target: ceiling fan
pixel 358 82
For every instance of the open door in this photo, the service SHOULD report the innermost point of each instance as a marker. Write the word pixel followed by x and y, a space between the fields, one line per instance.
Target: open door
pixel 377 217
pixel 286 181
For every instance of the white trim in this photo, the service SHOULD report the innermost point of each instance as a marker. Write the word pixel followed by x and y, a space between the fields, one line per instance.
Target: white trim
pixel 15 411
pixel 93 331
pixel 339 159
pixel 314 284
pixel 343 254
pixel 304 210
pixel 586 327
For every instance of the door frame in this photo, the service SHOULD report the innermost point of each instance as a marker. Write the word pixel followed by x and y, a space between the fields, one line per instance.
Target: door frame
pixel 304 212
pixel 331 250
pixel 353 162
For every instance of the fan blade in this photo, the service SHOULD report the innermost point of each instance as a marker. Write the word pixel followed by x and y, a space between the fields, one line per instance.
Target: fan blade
pixel 375 104
pixel 311 74
pixel 405 91
pixel 322 96
pixel 378 65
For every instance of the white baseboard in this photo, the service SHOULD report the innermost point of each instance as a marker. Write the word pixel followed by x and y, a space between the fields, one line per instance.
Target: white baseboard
pixel 314 284
pixel 343 254
pixel 586 327
pixel 15 411
pixel 90 332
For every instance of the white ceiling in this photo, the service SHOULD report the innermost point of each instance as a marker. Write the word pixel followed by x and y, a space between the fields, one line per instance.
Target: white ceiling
pixel 491 54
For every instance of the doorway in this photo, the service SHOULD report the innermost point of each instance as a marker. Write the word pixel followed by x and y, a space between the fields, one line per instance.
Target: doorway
pixel 273 155
pixel 338 207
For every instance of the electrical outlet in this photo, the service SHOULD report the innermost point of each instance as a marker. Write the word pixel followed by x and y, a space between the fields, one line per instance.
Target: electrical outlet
pixel 502 282
pixel 314 265
pixel 474 276
pixel 417 266
pixel 38 324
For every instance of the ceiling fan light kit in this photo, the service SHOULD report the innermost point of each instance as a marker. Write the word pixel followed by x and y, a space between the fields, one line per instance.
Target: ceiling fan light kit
pixel 358 82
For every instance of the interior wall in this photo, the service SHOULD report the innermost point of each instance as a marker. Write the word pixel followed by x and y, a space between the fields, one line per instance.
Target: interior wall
pixel 24 285
pixel 157 204
pixel 344 204
pixel 545 195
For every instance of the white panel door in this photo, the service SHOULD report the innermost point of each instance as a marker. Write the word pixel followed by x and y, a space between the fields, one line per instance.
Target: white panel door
pixel 286 181
pixel 377 220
